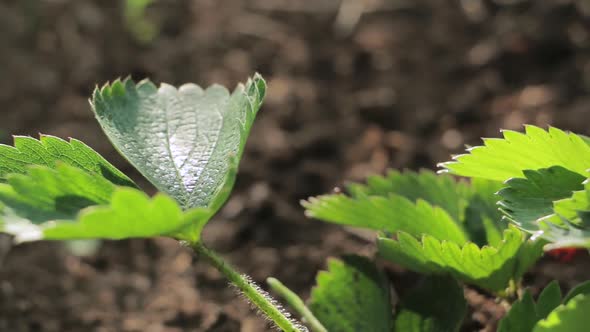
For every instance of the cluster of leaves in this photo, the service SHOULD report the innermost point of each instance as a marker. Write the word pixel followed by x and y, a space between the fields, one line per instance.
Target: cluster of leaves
pixel 354 295
pixel 551 312
pixel 473 232
pixel 188 142
pixel 435 225
pixel 545 174
pixel 185 141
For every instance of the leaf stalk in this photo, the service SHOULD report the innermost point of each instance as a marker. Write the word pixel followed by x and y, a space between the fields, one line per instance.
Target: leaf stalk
pixel 296 303
pixel 252 291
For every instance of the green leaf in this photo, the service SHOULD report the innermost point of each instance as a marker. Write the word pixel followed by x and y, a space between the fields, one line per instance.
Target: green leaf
pixel 492 233
pixel 571 317
pixel 185 141
pixel 142 29
pixel 583 288
pixel 49 194
pixel 442 191
pixel 439 190
pixel 49 150
pixel 528 255
pixel 131 214
pixel 502 159
pixel 548 300
pixel 550 204
pixel 435 305
pixel 388 214
pixel 525 313
pixel 524 201
pixel 527 316
pixel 488 267
pixel 471 206
pixel 569 226
pixel 521 317
pixel 483 220
pixel 352 296
pixel 385 204
pixel 574 209
pixel 69 203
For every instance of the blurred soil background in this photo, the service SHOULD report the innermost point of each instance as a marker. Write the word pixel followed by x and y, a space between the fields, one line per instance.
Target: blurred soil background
pixel 356 87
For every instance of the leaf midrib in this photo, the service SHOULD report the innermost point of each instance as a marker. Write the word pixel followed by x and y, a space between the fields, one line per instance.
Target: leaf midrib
pixel 169 151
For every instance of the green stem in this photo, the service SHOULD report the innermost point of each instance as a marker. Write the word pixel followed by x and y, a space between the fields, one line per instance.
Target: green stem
pixel 252 291
pixel 510 295
pixel 295 301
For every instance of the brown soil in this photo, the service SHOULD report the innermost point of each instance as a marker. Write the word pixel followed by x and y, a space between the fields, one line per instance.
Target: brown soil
pixel 408 84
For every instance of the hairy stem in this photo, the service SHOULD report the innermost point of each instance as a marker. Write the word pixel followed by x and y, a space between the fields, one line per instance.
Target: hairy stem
pixel 256 295
pixel 510 295
pixel 296 303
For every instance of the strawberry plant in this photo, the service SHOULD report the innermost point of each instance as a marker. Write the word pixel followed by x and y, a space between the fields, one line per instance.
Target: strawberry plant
pixel 527 192
pixel 186 141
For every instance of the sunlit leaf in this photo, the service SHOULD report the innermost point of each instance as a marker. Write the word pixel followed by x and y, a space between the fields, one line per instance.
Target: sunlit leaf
pixel 69 203
pixel 488 267
pixel 185 141
pixel 550 312
pixel 571 317
pixel 49 150
pixel 503 158
pixel 388 214
pixel 442 191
